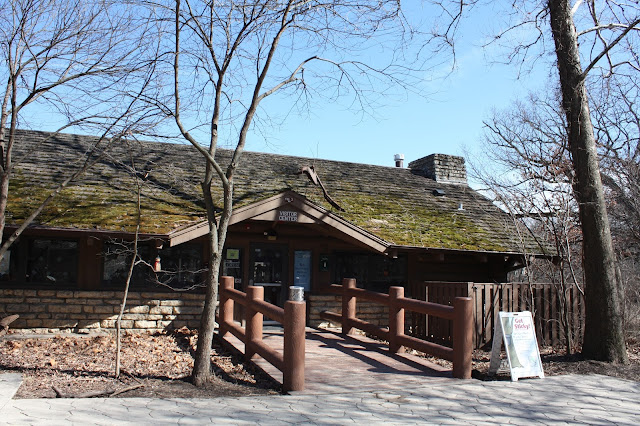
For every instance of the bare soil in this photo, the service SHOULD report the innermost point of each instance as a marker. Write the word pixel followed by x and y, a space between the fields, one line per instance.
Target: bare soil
pixel 152 365
pixel 556 362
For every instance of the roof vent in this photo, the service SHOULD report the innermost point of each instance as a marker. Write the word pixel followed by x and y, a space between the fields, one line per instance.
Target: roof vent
pixel 399 159
pixel 439 192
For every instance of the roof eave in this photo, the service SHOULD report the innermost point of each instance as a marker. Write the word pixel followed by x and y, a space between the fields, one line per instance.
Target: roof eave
pixel 299 202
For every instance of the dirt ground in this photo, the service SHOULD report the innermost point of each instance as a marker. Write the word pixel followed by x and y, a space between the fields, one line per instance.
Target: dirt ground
pixel 556 362
pixel 152 365
pixel 158 365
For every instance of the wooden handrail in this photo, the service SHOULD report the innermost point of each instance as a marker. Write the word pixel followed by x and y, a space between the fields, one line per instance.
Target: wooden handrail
pixel 431 348
pixel 274 312
pixel 461 313
pixel 291 361
pixel 427 308
pixel 235 295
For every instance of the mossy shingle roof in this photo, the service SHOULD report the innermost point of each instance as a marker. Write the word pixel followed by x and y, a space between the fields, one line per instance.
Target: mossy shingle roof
pixel 395 204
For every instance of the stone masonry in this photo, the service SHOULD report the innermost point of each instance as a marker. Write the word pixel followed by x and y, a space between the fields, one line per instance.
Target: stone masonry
pixel 441 168
pixel 85 311
pixel 371 312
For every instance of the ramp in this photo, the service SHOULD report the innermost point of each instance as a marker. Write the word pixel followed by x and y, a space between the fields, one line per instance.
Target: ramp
pixel 338 364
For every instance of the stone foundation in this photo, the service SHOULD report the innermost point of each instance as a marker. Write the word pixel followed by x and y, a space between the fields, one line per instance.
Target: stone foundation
pixel 374 313
pixel 86 311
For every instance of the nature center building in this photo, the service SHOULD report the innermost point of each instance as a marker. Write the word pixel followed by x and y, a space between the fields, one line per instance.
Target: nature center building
pixel 296 221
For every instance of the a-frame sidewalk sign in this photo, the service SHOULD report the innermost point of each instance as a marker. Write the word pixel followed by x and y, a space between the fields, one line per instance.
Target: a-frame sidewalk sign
pixel 517 332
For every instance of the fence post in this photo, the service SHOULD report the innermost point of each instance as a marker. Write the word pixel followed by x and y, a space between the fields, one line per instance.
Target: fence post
pixel 396 319
pixel 462 337
pixel 471 292
pixel 294 345
pixel 254 320
pixel 226 306
pixel 348 305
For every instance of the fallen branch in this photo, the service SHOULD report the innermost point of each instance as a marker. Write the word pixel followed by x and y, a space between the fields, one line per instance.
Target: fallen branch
pixel 127 389
pixel 4 323
pixel 95 394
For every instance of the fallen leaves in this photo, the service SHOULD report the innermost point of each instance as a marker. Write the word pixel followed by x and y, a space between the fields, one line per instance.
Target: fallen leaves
pixel 78 365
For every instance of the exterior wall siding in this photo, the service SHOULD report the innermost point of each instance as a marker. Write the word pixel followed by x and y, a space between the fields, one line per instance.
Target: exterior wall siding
pixel 86 311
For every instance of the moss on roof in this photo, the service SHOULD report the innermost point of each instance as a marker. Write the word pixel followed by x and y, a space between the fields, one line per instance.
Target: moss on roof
pixel 392 203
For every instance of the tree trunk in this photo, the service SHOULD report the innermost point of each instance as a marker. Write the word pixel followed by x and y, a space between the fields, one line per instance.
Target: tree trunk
pixel 603 337
pixel 4 198
pixel 202 365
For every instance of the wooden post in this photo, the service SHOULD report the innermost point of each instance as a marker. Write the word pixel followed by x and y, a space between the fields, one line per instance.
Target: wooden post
pixel 396 319
pixel 294 345
pixel 348 305
pixel 226 306
pixel 254 321
pixel 462 337
pixel 471 292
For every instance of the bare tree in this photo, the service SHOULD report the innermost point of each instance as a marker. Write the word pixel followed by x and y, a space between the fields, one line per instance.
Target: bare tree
pixel 71 62
pixel 603 339
pixel 229 57
pixel 617 126
pixel 617 129
pixel 608 33
pixel 132 264
pixel 527 143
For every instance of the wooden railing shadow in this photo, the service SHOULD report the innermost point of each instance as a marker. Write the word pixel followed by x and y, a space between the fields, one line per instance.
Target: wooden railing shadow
pixel 461 314
pixel 345 345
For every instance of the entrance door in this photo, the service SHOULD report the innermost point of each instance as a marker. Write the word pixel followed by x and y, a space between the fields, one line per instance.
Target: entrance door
pixel 268 266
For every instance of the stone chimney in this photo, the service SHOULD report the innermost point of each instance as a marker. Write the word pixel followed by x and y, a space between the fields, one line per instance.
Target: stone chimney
pixel 441 168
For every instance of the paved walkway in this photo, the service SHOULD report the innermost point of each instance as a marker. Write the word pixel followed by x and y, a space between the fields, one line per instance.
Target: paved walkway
pixel 348 383
pixel 595 400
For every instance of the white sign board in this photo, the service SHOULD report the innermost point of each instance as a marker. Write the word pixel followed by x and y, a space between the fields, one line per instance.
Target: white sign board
pixel 519 336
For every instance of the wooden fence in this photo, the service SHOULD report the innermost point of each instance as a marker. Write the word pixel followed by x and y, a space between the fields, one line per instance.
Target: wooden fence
pixel 542 299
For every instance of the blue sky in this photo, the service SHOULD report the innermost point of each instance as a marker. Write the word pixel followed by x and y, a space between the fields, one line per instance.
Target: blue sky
pixel 448 120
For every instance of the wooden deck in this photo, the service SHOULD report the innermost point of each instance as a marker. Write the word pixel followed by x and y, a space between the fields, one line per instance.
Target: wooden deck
pixel 338 364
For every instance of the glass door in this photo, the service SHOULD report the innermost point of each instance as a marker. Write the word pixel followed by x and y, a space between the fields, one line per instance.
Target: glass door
pixel 268 266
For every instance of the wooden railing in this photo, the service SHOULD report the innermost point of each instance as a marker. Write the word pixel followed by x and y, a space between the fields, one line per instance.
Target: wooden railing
pixel 461 314
pixel 554 315
pixel 292 317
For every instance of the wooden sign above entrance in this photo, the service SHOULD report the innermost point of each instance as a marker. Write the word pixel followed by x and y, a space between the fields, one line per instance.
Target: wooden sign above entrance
pixel 291 216
pixel 287 216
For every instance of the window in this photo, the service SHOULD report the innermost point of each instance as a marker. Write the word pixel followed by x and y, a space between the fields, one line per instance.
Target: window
pixel 52 261
pixel 181 266
pixel 117 260
pixel 232 265
pixel 372 272
pixel 7 266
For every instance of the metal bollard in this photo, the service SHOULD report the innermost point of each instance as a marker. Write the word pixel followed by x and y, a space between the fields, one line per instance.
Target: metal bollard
pixel 296 293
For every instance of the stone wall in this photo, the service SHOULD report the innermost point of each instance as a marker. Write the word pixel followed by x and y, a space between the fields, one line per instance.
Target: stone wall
pixel 85 311
pixel 374 313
